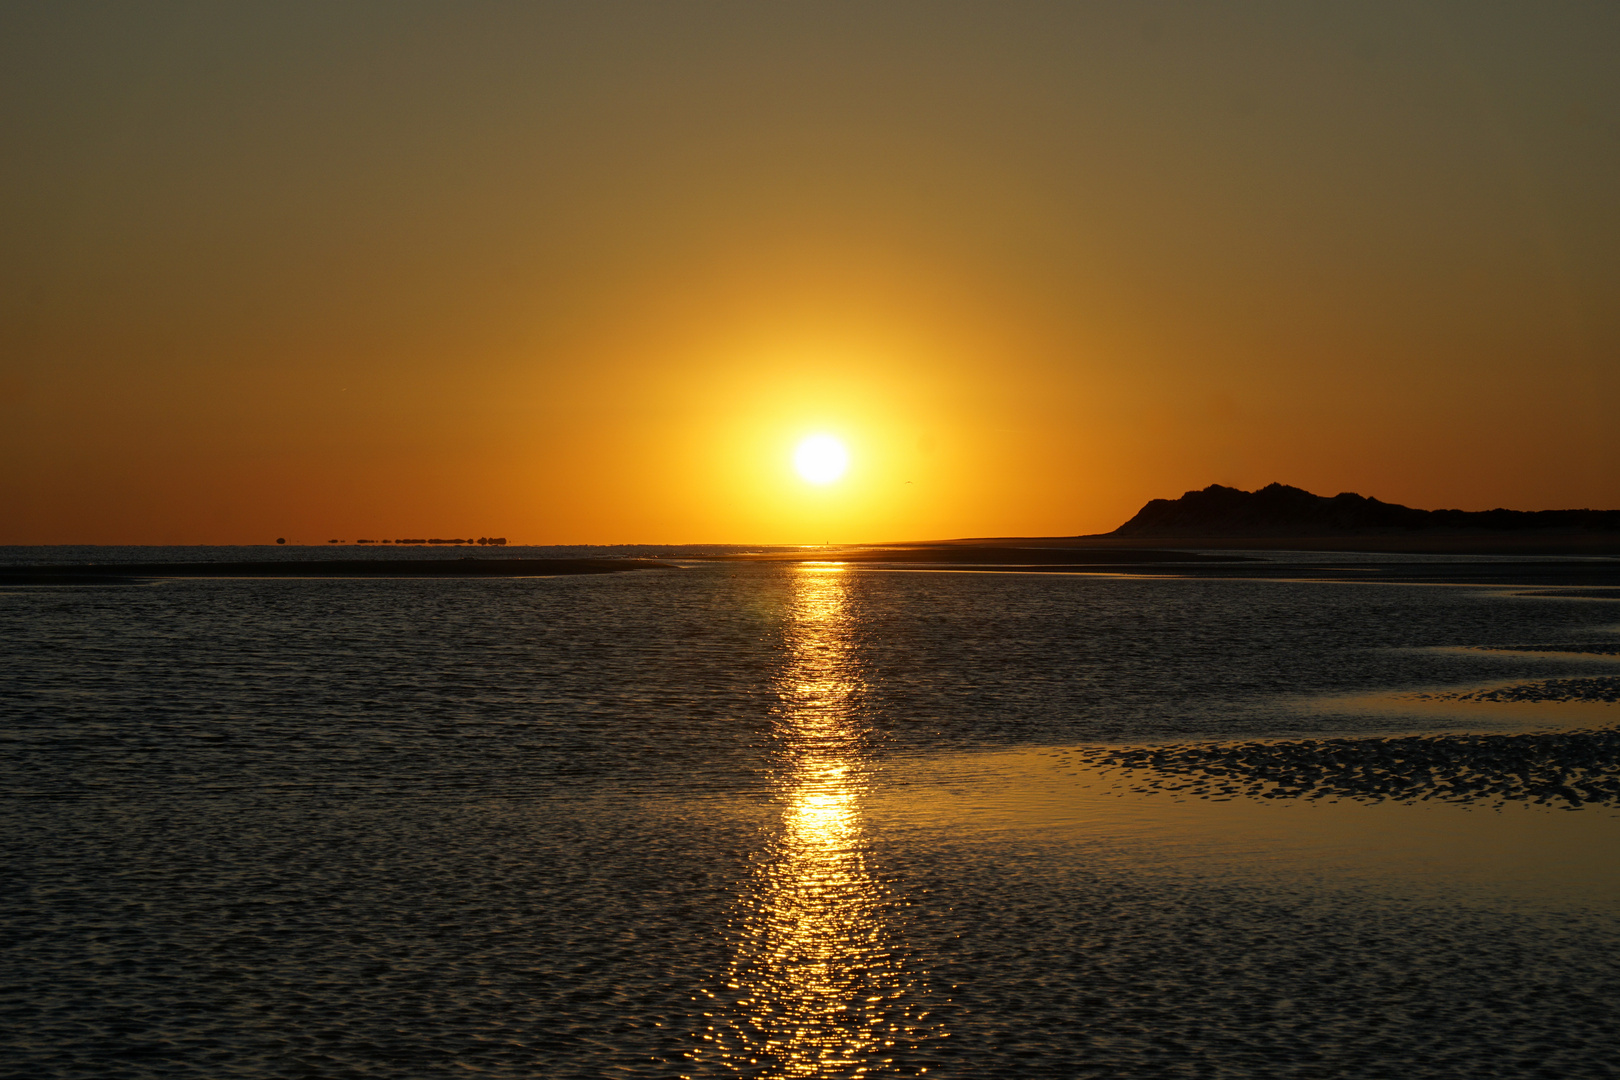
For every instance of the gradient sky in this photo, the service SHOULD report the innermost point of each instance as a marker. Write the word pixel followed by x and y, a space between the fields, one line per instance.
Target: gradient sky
pixel 585 273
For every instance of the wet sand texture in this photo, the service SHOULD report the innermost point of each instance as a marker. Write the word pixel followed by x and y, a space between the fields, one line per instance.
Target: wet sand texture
pixel 1589 648
pixel 1569 769
pixel 1595 688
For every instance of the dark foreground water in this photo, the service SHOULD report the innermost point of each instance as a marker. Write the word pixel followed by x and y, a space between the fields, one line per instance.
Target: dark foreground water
pixel 805 821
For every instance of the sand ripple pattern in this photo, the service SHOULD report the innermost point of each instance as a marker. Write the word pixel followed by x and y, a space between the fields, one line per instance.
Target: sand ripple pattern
pixel 516 829
pixel 1597 688
pixel 1589 648
pixel 1571 769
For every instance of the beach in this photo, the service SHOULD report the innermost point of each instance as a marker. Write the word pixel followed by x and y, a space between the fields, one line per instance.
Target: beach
pixel 816 818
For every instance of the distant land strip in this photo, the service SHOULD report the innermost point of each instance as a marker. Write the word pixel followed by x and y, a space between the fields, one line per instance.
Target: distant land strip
pixel 482 541
pixel 1527 571
pixel 83 574
pixel 1033 554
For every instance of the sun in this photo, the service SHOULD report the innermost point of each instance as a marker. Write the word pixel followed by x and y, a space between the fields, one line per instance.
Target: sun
pixel 821 459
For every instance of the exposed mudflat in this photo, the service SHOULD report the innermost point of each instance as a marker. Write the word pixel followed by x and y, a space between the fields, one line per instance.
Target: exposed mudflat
pixel 762 819
pixel 1609 647
pixel 1592 688
pixel 1571 769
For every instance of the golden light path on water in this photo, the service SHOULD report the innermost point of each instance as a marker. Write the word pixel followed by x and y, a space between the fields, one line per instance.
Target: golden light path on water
pixel 816 986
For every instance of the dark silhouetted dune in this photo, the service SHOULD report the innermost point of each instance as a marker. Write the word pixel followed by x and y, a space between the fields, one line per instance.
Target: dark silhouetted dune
pixel 1280 510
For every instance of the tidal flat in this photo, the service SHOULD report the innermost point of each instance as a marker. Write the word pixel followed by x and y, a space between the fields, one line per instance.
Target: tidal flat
pixel 819 819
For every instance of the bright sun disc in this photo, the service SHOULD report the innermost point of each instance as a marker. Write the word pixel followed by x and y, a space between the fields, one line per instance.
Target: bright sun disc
pixel 821 459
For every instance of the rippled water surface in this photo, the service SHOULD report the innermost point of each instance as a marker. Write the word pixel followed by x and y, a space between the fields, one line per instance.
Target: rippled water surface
pixel 785 820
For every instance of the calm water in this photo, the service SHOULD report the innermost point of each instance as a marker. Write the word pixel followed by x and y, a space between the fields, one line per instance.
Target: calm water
pixel 774 821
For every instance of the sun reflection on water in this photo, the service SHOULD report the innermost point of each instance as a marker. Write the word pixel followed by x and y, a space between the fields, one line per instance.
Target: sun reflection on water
pixel 817 985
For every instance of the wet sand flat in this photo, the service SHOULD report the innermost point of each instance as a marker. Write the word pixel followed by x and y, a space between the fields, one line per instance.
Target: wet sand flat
pixel 1521 852
pixel 775 818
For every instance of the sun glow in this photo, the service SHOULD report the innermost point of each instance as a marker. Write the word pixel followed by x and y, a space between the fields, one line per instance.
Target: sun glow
pixel 821 459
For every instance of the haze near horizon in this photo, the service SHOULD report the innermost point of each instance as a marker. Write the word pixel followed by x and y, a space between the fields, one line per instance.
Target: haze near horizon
pixel 592 274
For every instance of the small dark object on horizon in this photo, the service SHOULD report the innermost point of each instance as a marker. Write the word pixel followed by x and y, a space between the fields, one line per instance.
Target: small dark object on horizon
pixel 281 539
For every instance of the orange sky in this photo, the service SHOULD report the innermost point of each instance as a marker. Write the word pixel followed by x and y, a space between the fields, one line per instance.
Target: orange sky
pixel 585 273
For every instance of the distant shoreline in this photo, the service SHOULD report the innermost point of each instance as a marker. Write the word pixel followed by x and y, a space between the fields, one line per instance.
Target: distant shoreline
pixel 86 573
pixel 1515 542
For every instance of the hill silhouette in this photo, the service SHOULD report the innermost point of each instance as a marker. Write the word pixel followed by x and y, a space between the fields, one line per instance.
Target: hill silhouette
pixel 1280 510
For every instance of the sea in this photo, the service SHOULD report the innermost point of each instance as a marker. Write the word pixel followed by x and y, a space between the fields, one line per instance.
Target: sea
pixel 811 818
